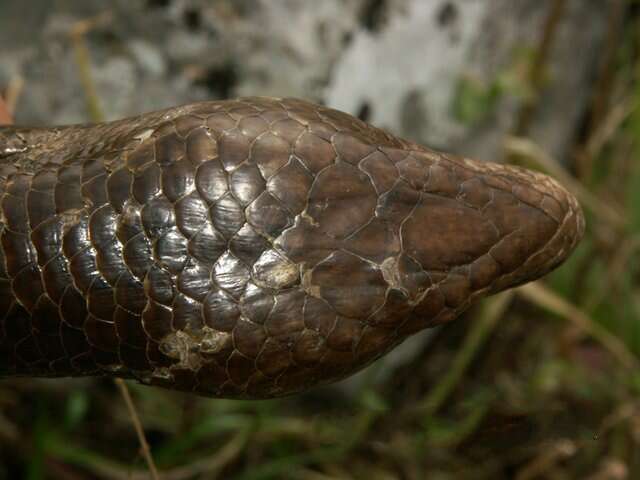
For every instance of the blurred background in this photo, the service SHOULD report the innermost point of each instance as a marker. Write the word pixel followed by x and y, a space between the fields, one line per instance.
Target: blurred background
pixel 542 382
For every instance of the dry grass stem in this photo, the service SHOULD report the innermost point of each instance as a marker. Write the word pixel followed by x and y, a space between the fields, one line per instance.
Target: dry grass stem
pixel 137 424
pixel 13 92
pixel 540 466
pixel 541 296
pixel 481 328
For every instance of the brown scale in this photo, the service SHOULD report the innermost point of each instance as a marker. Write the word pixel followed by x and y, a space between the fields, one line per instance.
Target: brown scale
pixel 251 248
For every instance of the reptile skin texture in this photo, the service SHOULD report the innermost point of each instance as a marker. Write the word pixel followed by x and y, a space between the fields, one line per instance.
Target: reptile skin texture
pixel 251 248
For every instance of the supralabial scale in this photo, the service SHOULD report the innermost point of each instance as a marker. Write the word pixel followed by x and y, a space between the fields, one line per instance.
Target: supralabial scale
pixel 251 248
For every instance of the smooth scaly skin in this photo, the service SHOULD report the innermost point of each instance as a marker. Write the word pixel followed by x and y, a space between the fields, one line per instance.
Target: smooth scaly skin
pixel 251 248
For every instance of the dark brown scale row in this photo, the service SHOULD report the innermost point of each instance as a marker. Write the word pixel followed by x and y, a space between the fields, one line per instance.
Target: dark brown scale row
pixel 251 248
